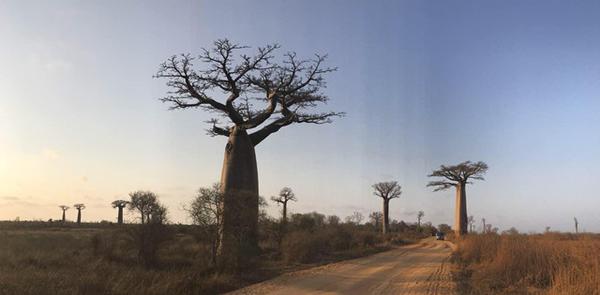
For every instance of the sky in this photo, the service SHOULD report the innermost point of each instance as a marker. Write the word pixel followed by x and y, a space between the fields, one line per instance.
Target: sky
pixel 512 83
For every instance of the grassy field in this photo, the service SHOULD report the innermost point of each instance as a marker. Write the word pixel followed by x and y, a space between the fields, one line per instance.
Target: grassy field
pixel 51 258
pixel 550 263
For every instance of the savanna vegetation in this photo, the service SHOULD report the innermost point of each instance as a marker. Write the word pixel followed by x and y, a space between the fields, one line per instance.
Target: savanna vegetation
pixel 513 263
pixel 156 257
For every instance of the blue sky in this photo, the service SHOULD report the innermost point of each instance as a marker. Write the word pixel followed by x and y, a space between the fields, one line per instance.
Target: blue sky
pixel 424 83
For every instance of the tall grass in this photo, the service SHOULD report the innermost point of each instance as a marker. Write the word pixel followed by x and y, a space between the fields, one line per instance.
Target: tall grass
pixel 528 264
pixel 56 258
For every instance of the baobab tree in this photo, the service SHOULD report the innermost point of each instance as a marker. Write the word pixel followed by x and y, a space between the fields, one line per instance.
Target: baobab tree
pixel 458 176
pixel 119 204
pixel 285 195
pixel 143 202
pixel 64 209
pixel 387 191
pixel 79 207
pixel 471 222
pixel 484 225
pixel 419 216
pixel 576 225
pixel 289 87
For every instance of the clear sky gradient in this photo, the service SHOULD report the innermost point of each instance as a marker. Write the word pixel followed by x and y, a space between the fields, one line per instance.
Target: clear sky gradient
pixel 424 83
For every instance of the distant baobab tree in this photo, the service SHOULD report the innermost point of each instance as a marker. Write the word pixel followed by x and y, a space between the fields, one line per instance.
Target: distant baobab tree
pixel 285 195
pixel 290 88
pixel 387 191
pixel 471 221
pixel 119 204
pixel 79 207
pixel 483 228
pixel 64 209
pixel 576 225
pixel 458 176
pixel 419 216
pixel 143 202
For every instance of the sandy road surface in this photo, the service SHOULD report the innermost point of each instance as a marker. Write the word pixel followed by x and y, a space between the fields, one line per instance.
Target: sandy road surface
pixel 415 269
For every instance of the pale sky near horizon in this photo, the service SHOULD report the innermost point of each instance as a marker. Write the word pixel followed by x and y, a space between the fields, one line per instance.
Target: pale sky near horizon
pixel 423 83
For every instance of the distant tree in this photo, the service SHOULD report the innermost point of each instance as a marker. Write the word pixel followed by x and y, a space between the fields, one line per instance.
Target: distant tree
pixel 419 216
pixel 444 228
pixel 307 221
pixel 206 211
pixel 511 231
pixel 483 229
pixel 64 209
pixel 387 191
pixel 488 228
pixel 458 176
pixel 356 218
pixel 285 195
pixel 120 204
pixel 290 88
pixel 333 220
pixel 79 207
pixel 576 225
pixel 376 219
pixel 144 202
pixel 471 221
pixel 547 230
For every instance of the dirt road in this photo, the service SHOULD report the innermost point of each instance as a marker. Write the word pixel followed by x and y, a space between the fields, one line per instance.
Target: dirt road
pixel 415 269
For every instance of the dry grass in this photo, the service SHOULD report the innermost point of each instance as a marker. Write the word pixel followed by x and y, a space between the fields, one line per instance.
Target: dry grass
pixel 529 264
pixel 53 258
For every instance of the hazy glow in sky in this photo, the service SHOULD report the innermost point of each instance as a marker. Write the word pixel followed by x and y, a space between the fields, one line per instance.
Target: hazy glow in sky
pixel 511 83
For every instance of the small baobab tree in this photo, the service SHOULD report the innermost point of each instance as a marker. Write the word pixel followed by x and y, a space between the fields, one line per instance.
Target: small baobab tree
pixel 458 176
pixel 64 208
pixel 79 207
pixel 285 195
pixel 144 202
pixel 471 221
pixel 119 204
pixel 387 191
pixel 420 215
pixel 290 88
pixel 483 229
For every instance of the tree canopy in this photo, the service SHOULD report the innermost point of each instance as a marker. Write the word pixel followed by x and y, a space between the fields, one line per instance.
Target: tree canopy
pixel 454 175
pixel 288 87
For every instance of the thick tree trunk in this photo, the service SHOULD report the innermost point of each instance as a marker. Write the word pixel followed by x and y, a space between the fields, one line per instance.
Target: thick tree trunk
pixel 239 186
pixel 284 219
pixel 120 216
pixel 78 216
pixel 386 219
pixel 143 218
pixel 460 218
pixel 63 217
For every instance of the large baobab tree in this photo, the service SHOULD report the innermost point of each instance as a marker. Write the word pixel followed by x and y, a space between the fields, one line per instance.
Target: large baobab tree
pixel 387 191
pixel 119 204
pixel 285 195
pixel 79 207
pixel 143 202
pixel 458 176
pixel 64 209
pixel 290 88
